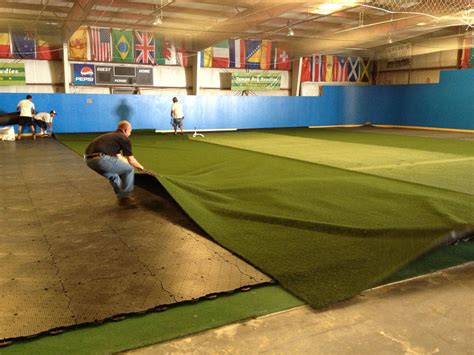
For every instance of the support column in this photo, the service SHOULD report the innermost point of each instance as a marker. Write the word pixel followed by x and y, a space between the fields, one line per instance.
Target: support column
pixel 197 73
pixel 67 68
pixel 296 77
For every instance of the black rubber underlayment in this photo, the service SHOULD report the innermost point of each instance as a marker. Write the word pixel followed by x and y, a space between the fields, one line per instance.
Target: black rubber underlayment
pixel 70 255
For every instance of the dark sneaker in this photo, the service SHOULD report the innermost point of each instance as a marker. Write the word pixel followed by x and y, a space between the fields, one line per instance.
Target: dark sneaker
pixel 127 202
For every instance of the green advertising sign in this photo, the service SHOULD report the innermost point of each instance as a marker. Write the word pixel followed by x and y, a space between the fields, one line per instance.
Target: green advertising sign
pixel 12 74
pixel 257 81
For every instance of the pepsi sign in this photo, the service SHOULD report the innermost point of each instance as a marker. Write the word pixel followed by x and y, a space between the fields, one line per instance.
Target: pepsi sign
pixel 84 74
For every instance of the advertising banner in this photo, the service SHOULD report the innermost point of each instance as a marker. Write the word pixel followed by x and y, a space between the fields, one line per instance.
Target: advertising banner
pixel 256 81
pixel 84 74
pixel 12 74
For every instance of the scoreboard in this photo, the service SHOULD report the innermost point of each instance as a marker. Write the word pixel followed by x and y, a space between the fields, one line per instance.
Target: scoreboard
pixel 123 75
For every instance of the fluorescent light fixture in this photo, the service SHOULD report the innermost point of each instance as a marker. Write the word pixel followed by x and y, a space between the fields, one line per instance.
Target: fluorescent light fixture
pixel 158 20
pixel 421 23
pixel 330 6
pixel 290 33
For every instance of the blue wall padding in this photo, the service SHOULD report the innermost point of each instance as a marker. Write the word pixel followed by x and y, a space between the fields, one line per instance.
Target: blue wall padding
pixel 449 104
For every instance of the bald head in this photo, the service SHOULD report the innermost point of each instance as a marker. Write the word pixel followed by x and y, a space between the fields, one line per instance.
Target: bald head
pixel 125 127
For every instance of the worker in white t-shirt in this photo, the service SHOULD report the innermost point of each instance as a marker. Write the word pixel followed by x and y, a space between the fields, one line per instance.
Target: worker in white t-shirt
pixel 44 120
pixel 27 109
pixel 177 115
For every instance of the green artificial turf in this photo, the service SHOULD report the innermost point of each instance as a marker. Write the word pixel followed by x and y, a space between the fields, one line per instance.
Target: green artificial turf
pixel 152 328
pixel 324 233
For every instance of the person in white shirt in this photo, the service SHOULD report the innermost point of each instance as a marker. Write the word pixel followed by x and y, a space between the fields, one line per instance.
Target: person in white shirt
pixel 27 109
pixel 44 120
pixel 177 115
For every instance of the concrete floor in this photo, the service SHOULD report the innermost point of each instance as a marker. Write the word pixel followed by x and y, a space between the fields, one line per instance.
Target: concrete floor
pixel 425 315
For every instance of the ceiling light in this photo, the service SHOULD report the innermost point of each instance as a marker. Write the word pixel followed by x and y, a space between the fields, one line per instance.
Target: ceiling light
pixel 158 20
pixel 421 23
pixel 330 7
pixel 290 32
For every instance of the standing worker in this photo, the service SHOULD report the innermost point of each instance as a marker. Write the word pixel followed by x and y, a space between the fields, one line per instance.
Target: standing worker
pixel 44 120
pixel 27 109
pixel 103 155
pixel 177 115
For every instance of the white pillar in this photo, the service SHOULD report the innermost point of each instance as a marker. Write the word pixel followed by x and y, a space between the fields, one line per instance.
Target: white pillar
pixel 67 68
pixel 197 73
pixel 296 77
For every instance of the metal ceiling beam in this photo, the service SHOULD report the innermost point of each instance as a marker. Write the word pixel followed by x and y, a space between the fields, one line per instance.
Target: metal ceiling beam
pixel 78 13
pixel 239 23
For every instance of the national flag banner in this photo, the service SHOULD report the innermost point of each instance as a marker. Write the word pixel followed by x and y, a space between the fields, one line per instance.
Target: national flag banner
pixel 77 46
pixel 365 66
pixel 328 65
pixel 280 58
pixel 467 60
pixel 266 56
pixel 206 58
pixel 253 54
pixel 122 43
pixel 182 57
pixel 315 67
pixel 220 55
pixel 169 53
pixel 5 48
pixel 159 43
pixel 48 47
pixel 339 69
pixel 306 69
pixel 24 45
pixel 237 53
pixel 144 47
pixel 353 69
pixel 101 44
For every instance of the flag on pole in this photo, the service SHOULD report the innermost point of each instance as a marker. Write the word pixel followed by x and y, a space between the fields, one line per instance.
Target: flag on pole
pixel 24 45
pixel 101 44
pixel 122 42
pixel 77 46
pixel 237 53
pixel 144 47
pixel 5 49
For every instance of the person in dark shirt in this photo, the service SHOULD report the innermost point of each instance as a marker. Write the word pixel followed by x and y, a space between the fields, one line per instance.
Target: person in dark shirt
pixel 104 155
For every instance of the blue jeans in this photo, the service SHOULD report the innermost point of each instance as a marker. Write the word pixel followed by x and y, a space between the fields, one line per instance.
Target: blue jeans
pixel 119 173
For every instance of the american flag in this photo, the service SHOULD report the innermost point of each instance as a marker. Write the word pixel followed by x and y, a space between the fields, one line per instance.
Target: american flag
pixel 144 47
pixel 101 46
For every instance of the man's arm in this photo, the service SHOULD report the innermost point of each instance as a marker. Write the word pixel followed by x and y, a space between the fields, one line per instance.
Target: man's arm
pixel 134 162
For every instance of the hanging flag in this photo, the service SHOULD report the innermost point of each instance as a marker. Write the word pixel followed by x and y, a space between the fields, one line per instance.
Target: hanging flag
pixel 365 65
pixel 24 45
pixel 169 52
pixel 206 58
pixel 353 69
pixel 48 47
pixel 237 53
pixel 220 55
pixel 77 46
pixel 467 60
pixel 280 58
pixel 315 67
pixel 253 54
pixel 306 69
pixel 266 56
pixel 5 49
pixel 144 47
pixel 328 67
pixel 122 41
pixel 339 69
pixel 182 57
pixel 100 44
pixel 159 42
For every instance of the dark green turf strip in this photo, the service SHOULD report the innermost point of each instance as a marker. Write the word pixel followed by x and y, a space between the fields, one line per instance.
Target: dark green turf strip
pixel 139 331
pixel 441 145
pixel 324 233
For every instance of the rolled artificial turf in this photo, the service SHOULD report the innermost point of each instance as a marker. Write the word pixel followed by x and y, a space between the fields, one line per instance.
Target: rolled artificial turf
pixel 324 233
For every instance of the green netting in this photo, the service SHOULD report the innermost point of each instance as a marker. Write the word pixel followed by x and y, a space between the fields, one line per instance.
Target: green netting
pixel 323 232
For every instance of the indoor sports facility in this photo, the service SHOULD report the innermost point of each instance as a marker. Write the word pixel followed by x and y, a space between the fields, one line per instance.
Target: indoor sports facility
pixel 313 193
